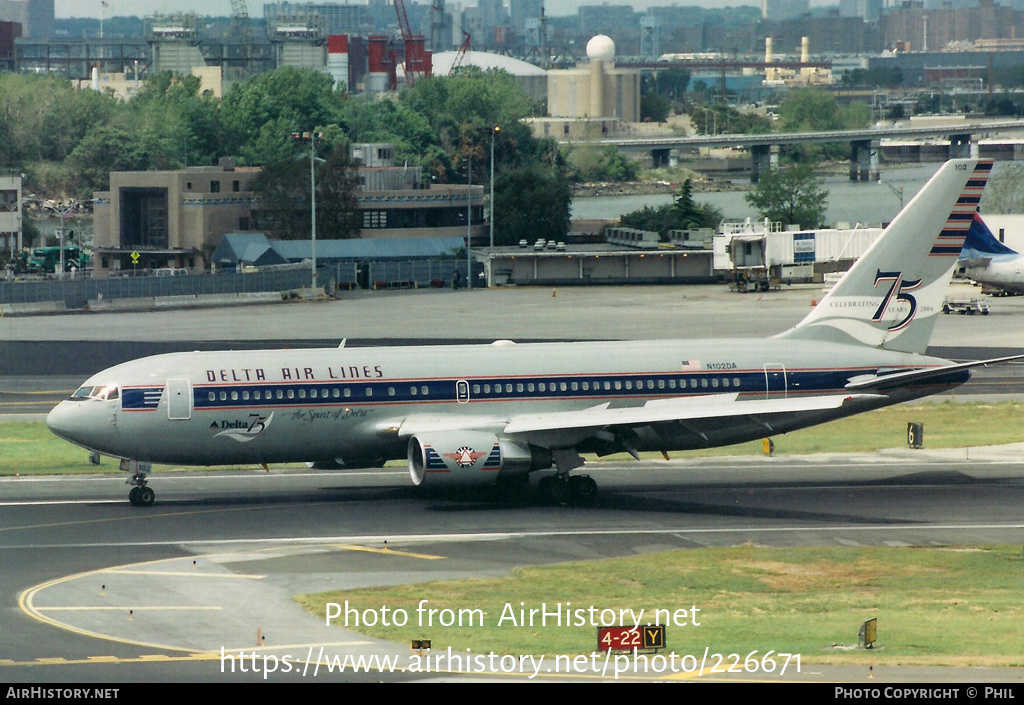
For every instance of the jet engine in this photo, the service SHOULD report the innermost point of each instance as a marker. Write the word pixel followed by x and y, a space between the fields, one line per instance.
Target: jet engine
pixel 470 458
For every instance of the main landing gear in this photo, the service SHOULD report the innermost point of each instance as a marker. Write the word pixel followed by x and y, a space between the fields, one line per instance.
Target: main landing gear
pixel 140 495
pixel 558 489
pixel 578 490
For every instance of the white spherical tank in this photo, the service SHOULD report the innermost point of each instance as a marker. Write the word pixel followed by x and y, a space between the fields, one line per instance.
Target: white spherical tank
pixel 601 48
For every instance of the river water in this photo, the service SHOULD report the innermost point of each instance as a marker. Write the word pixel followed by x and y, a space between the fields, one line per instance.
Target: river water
pixel 868 203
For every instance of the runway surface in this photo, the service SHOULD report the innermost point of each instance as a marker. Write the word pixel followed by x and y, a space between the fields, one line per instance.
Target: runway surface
pixel 216 561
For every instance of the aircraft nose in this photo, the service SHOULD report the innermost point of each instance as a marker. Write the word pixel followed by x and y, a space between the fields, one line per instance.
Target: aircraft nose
pixel 85 423
pixel 59 420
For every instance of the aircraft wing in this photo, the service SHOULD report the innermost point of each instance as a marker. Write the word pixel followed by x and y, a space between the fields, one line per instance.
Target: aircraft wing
pixel 560 429
pixel 882 381
pixel 692 413
pixel 975 261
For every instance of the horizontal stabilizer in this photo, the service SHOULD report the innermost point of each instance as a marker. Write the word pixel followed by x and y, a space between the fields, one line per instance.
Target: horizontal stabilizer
pixel 882 382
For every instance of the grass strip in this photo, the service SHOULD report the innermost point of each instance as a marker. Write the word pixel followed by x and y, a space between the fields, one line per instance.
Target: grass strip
pixel 934 606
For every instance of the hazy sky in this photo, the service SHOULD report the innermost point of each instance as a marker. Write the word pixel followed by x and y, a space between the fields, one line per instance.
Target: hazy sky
pixel 142 8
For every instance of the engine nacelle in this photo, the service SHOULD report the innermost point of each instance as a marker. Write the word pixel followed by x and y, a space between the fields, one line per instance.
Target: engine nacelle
pixel 470 458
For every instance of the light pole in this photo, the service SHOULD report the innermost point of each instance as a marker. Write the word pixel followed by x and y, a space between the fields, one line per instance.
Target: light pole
pixel 898 190
pixel 63 214
pixel 311 137
pixel 714 120
pixel 494 131
pixel 469 220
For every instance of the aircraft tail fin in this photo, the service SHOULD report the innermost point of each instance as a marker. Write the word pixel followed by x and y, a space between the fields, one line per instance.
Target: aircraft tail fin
pixel 892 294
pixel 982 244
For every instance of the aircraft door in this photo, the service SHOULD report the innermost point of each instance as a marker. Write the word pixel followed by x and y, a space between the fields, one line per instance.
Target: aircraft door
pixel 775 384
pixel 179 399
pixel 462 391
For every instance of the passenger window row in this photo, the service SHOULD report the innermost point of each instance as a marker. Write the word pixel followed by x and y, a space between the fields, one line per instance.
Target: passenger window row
pixel 610 385
pixel 332 393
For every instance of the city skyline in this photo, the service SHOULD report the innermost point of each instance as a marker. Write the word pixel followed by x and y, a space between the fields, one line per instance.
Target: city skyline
pixel 222 8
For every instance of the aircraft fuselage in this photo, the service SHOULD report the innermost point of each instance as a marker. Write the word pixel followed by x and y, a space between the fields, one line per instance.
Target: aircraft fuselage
pixel 348 404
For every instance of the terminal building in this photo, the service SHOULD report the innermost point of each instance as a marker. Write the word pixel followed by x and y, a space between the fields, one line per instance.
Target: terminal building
pixel 169 219
pixel 176 219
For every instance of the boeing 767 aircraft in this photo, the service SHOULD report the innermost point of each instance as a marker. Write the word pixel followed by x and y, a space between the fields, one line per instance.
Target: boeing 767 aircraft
pixel 492 414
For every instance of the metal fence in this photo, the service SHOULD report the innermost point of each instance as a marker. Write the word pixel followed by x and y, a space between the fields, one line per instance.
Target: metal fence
pixel 75 293
pixel 406 274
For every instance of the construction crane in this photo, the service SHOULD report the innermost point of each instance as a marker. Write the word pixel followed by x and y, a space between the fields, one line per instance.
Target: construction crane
pixel 461 53
pixel 414 44
pixel 437 25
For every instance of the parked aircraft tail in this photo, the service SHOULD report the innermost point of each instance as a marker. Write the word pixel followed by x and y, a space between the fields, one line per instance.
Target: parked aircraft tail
pixel 892 294
pixel 981 244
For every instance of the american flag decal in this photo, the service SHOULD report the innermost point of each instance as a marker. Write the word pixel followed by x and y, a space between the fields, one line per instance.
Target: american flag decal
pixel 141 398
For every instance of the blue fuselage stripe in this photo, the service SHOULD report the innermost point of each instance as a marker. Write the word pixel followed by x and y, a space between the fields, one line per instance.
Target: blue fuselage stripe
pixel 503 389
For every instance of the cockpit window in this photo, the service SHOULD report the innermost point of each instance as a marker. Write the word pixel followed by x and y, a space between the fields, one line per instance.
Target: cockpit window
pixel 105 393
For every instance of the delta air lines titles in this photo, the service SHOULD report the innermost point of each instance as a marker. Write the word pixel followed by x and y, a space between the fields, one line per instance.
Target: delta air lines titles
pixel 295 374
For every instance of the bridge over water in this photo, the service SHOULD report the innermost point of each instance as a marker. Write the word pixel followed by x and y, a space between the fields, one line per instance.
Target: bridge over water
pixel 864 165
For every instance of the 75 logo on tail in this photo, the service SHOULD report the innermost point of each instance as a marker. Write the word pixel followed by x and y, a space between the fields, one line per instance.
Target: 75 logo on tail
pixel 896 291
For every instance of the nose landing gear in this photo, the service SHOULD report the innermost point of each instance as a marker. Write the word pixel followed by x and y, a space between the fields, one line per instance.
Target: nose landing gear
pixel 140 495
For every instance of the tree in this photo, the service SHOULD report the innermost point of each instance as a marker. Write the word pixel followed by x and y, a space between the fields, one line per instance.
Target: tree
pixel 460 111
pixel 46 117
pixel 337 208
pixel 287 100
pixel 283 192
pixel 812 110
pixel 529 203
pixel 809 110
pixel 672 83
pixel 691 214
pixel 790 196
pixel 654 105
pixel 683 214
pixel 1005 190
pixel 174 102
pixel 114 147
pixel 601 164
pixel 726 119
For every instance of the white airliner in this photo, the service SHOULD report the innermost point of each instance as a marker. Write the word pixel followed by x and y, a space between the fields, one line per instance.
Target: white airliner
pixel 988 261
pixel 492 414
